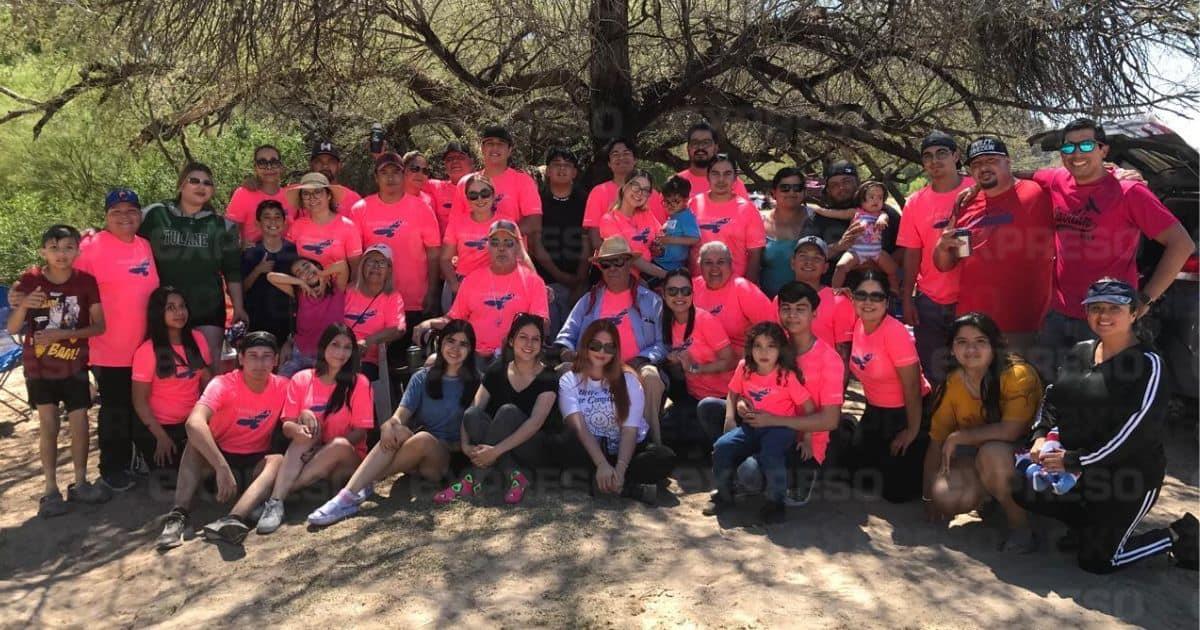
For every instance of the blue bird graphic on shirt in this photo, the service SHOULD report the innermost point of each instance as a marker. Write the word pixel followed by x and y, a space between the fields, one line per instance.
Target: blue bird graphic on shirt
pixel 390 230
pixel 318 248
pixel 758 394
pixel 141 269
pixel 357 319
pixel 477 244
pixel 861 361
pixel 716 226
pixel 255 420
pixel 499 302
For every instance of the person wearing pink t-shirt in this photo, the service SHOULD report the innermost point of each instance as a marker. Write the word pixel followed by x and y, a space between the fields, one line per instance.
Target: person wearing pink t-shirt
pixel 731 219
pixel 622 160
pixel 766 400
pixel 374 310
pixel 324 232
pixel 1099 225
pixel 464 245
pixel 735 302
pixel 890 447
pixel 229 436
pixel 822 367
pixel 700 361
pixel 834 320
pixel 517 197
pixel 268 173
pixel 928 295
pixel 633 221
pixel 702 149
pixel 326 159
pixel 326 415
pixel 457 162
pixel 492 296
pixel 320 295
pixel 170 369
pixel 407 225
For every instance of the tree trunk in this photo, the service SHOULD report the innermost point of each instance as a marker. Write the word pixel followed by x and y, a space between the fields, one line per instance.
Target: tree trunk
pixel 611 109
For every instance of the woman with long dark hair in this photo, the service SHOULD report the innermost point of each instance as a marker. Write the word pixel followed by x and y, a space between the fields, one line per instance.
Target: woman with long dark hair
pixel 503 429
pixel 783 226
pixel 328 412
pixel 424 430
pixel 170 369
pixel 601 402
pixel 986 405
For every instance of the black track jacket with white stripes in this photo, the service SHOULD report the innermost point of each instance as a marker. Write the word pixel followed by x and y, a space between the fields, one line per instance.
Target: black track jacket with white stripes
pixel 1110 415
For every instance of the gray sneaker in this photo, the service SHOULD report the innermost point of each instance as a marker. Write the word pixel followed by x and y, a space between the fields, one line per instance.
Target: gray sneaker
pixel 227 529
pixel 88 492
pixel 272 516
pixel 174 527
pixel 52 505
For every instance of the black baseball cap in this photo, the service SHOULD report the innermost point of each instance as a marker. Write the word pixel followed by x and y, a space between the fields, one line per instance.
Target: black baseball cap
pixel 1112 292
pixel 498 132
pixel 986 146
pixel 841 167
pixel 390 157
pixel 325 147
pixel 259 339
pixel 815 241
pixel 456 147
pixel 938 138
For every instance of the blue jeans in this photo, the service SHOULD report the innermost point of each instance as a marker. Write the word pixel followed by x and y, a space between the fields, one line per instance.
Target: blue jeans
pixel 931 335
pixel 769 446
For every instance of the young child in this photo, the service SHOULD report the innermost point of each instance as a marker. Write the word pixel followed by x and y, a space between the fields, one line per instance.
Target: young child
pixel 1059 482
pixel 269 308
pixel 869 247
pixel 62 310
pixel 681 231
pixel 320 301
pixel 768 396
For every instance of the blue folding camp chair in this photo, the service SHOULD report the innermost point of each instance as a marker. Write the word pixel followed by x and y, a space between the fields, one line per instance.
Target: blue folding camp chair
pixel 10 359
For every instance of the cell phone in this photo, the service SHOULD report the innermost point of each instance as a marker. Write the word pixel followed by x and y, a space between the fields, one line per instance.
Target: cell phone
pixel 376 138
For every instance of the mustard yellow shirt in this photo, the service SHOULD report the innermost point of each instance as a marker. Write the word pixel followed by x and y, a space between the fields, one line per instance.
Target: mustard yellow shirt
pixel 1020 395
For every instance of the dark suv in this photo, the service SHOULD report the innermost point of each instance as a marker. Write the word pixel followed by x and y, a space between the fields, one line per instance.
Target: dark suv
pixel 1172 170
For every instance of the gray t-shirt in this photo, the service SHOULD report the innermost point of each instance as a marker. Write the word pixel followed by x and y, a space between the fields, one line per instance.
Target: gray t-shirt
pixel 440 416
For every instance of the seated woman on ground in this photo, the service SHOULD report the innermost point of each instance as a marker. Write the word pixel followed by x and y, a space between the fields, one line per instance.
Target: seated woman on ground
pixel 601 402
pixel 424 430
pixel 983 409
pixel 504 429
pixel 328 411
pixel 320 295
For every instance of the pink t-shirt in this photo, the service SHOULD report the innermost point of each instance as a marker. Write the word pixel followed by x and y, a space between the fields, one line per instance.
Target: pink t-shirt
pixel 306 391
pixel 349 198
pixel 329 243
pixel 615 307
pixel 469 238
pixel 516 196
pixel 835 318
pixel 874 358
pixel 1098 228
pixel 708 338
pixel 126 275
pixel 491 303
pixel 738 305
pixel 171 398
pixel 313 316
pixel 369 315
pixel 603 197
pixel 410 228
pixel 243 419
pixel 925 215
pixel 824 378
pixel 243 206
pixel 700 184
pixel 735 222
pixel 775 393
pixel 639 230
pixel 442 193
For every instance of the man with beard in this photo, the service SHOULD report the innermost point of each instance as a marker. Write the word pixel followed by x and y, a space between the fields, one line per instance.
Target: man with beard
pixel 841 187
pixel 1000 238
pixel 458 163
pixel 327 160
pixel 702 148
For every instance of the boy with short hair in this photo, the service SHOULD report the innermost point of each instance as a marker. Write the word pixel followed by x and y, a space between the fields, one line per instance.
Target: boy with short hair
pixel 269 308
pixel 681 231
pixel 62 310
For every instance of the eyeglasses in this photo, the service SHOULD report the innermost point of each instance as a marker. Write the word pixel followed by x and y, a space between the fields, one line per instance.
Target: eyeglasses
pixel 502 243
pixel 196 181
pixel 790 188
pixel 265 163
pixel 613 264
pixel 376 261
pixel 416 168
pixel 935 156
pixel 1083 146
pixel 641 190
pixel 674 291
pixel 606 348
pixel 872 296
pixel 476 195
pixel 312 193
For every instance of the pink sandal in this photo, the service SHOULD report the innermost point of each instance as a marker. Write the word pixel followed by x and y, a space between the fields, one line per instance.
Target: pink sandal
pixel 465 488
pixel 516 490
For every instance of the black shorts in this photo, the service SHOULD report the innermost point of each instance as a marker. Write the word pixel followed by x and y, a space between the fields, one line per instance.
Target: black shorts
pixel 243 467
pixel 73 391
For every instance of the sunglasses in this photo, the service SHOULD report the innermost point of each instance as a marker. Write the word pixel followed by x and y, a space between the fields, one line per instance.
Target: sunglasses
pixel 613 264
pixel 1083 146
pixel 414 168
pixel 265 163
pixel 790 187
pixel 196 181
pixel 674 291
pixel 606 348
pixel 474 195
pixel 871 296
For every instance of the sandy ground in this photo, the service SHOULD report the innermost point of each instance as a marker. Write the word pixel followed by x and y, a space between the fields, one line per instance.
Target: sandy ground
pixel 562 560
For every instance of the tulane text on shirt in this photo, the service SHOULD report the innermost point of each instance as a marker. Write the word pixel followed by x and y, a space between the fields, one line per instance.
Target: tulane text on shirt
pixel 184 239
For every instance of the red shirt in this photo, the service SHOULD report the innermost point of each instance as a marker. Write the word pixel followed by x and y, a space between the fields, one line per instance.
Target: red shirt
pixel 639 230
pixel 708 338
pixel 243 419
pixel 126 275
pixel 1010 267
pixel 735 222
pixel 491 302
pixel 171 398
pixel 603 197
pixel 1098 228
pixel 409 228
pixel 243 208
pixel 824 378
pixel 738 305
pixel 306 391
pixel 67 307
pixel 874 358
pixel 925 215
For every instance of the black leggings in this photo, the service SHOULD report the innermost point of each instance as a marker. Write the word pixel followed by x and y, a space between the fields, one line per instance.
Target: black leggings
pixel 484 429
pixel 864 451
pixel 651 463
pixel 118 425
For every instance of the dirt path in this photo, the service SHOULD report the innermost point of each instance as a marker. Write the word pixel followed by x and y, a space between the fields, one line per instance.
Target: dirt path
pixel 562 560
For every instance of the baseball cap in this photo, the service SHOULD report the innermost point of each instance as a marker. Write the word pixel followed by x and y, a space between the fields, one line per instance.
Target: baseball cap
pixel 325 147
pixel 1112 292
pixel 121 195
pixel 986 146
pixel 382 248
pixel 259 339
pixel 391 157
pixel 815 241
pixel 455 147
pixel 504 225
pixel 496 131
pixel 938 138
pixel 840 167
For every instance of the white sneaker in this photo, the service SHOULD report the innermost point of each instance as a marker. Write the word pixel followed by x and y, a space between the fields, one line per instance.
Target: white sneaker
pixel 272 517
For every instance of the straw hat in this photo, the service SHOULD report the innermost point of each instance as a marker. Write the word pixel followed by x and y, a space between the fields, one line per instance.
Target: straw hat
pixel 613 247
pixel 314 181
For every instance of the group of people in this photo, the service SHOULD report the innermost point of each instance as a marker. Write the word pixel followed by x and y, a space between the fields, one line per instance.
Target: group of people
pixel 604 331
